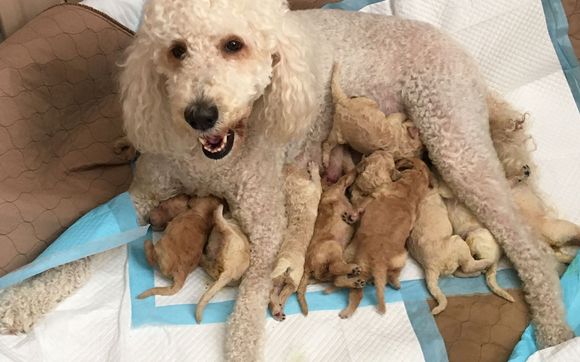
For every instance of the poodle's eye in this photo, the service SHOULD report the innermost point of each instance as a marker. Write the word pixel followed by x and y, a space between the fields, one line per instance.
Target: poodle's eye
pixel 178 51
pixel 233 45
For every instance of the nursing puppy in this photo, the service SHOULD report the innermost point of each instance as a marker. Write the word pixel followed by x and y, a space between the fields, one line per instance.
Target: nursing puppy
pixel 557 233
pixel 179 250
pixel 332 232
pixel 385 225
pixel 375 171
pixel 302 211
pixel 480 241
pixel 167 210
pixel 226 257
pixel 359 122
pixel 439 252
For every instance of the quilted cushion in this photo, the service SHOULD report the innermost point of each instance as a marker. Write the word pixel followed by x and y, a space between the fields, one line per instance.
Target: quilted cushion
pixel 59 119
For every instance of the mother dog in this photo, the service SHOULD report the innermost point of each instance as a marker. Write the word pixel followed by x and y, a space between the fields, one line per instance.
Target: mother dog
pixel 219 95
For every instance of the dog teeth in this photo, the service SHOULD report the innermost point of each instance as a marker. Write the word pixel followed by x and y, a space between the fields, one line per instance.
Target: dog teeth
pixel 208 147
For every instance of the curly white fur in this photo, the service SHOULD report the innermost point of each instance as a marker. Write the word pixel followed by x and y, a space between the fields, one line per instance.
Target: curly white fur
pixel 277 100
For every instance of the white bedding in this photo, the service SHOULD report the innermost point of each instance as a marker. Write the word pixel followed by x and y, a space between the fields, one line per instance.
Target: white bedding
pixel 510 41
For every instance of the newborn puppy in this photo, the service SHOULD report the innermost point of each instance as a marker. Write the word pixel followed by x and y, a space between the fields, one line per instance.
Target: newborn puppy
pixel 302 210
pixel 167 210
pixel 384 228
pixel 226 257
pixel 179 250
pixel 332 232
pixel 359 122
pixel 374 172
pixel 341 162
pixel 557 233
pixel 437 250
pixel 480 241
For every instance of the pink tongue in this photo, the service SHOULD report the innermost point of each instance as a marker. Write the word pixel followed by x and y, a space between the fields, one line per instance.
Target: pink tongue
pixel 214 140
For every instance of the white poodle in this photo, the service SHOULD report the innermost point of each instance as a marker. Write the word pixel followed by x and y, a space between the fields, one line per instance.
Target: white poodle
pixel 219 94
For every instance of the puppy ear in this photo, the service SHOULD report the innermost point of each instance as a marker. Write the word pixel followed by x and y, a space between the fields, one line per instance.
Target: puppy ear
pixel 289 104
pixel 396 175
pixel 413 132
pixel 142 94
pixel 404 164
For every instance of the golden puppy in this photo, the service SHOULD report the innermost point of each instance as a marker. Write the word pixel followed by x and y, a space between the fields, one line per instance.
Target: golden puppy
pixel 374 172
pixel 332 232
pixel 385 226
pixel 557 233
pixel 302 210
pixel 434 246
pixel 179 250
pixel 480 241
pixel 226 257
pixel 167 210
pixel 359 122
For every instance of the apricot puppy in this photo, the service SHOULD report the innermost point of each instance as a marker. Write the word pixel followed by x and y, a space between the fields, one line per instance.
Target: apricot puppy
pixel 179 250
pixel 167 210
pixel 359 122
pixel 434 246
pixel 226 257
pixel 302 211
pixel 332 232
pixel 385 225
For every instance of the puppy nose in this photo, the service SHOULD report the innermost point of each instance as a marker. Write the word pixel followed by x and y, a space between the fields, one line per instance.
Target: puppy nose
pixel 201 115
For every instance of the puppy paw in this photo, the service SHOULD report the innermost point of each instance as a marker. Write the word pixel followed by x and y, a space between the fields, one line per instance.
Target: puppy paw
pixel 344 314
pixel 348 217
pixel 279 316
pixel 356 270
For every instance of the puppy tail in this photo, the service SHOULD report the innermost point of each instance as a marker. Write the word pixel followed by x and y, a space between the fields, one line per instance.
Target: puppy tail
pixel 337 92
pixel 301 292
pixel 380 281
pixel 218 285
pixel 150 253
pixel 490 278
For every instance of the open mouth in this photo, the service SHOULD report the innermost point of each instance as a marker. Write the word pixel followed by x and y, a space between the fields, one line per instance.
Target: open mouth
pixel 217 146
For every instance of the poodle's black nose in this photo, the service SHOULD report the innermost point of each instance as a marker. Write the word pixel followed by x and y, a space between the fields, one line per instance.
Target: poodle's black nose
pixel 201 115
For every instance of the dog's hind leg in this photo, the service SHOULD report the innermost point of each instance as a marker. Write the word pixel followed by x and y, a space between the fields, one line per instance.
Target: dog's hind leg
pixel 178 281
pixel 380 278
pixel 354 298
pixel 449 108
pixel 301 292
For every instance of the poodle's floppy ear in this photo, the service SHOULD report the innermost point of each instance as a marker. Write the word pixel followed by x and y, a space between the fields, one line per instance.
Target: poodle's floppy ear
pixel 143 97
pixel 290 101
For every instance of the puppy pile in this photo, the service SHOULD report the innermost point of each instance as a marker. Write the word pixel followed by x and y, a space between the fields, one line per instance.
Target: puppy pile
pixel 357 224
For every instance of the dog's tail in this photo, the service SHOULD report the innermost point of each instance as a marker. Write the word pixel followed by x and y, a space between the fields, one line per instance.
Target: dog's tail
pixel 490 278
pixel 150 253
pixel 218 285
pixel 337 92
pixel 301 292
